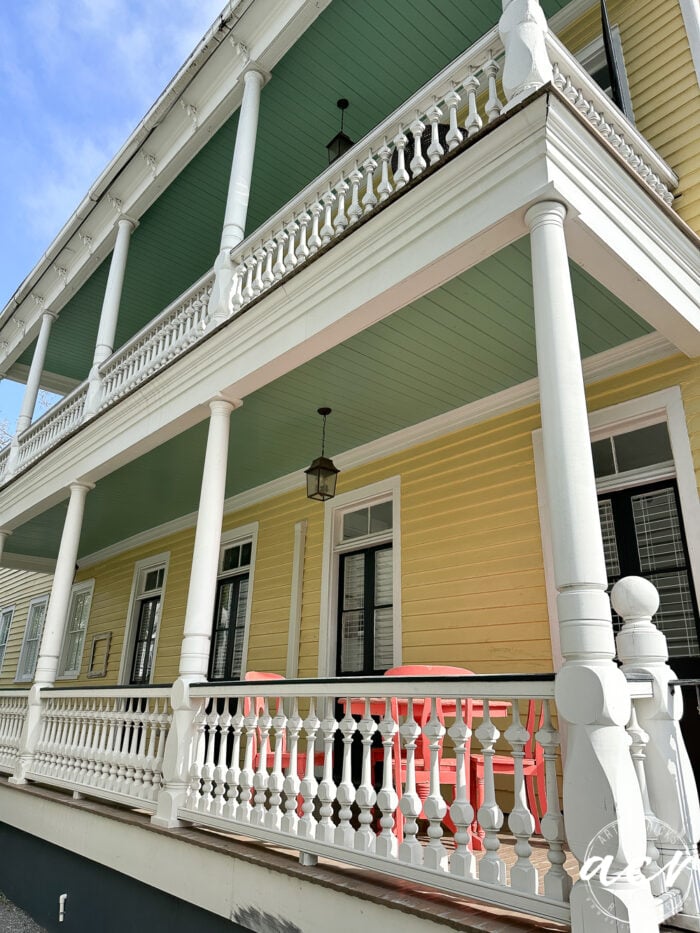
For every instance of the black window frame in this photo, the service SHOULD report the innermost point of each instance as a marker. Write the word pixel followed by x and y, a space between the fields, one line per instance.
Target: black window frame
pixel 369 608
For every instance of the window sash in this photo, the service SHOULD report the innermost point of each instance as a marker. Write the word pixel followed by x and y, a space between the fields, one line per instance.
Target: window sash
pixel 228 636
pixel 365 641
pixel 145 641
pixel 76 628
pixel 5 623
pixel 31 643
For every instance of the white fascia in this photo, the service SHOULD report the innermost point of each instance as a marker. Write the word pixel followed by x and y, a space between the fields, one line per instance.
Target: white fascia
pixel 201 97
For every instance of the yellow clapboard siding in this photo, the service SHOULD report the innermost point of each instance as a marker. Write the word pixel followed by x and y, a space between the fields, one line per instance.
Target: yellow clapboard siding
pixel 18 588
pixel 663 85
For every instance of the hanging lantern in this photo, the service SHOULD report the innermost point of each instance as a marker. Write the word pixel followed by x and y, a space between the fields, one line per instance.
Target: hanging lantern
pixel 321 476
pixel 341 142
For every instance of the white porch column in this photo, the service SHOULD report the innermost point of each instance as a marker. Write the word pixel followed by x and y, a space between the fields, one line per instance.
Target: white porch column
pixel 4 535
pixel 600 785
pixel 109 315
pixel 199 615
pixel 54 627
pixel 238 194
pixel 35 370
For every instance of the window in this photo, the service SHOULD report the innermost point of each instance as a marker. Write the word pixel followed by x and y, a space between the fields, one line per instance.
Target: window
pixel 146 601
pixel 5 623
pixel 361 583
pixel 76 627
pixel 595 61
pixel 29 654
pixel 229 646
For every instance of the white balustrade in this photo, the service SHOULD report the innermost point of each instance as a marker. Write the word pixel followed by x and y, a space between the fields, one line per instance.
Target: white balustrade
pixel 390 777
pixel 102 743
pixel 56 424
pixel 13 709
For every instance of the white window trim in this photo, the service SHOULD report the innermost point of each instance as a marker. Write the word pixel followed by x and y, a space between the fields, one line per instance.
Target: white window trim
pixel 38 599
pixel 241 535
pixel 3 610
pixel 663 406
pixel 156 560
pixel 87 586
pixel 334 511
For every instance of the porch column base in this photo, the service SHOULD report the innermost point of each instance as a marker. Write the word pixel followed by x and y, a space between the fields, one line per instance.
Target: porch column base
pixel 601 909
pixel 219 302
pixel 180 748
pixel 29 737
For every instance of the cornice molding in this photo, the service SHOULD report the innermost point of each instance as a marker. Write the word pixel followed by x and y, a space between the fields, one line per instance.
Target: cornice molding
pixel 636 353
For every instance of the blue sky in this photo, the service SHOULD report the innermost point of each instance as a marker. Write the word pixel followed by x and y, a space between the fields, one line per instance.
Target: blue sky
pixel 76 76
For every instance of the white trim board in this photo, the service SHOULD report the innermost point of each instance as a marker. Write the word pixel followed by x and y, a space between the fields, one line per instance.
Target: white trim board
pixel 640 352
pixel 665 405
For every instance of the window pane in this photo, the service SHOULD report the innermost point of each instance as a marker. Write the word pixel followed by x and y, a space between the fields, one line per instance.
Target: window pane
pixel 239 633
pixel 5 620
pixel 380 517
pixel 353 581
pixel 221 631
pixel 675 617
pixel 145 640
pixel 603 460
pixel 151 582
pixel 356 524
pixel 657 527
pixel 232 558
pixel 383 578
pixel 641 448
pixel 246 551
pixel 383 638
pixel 352 642
pixel 607 527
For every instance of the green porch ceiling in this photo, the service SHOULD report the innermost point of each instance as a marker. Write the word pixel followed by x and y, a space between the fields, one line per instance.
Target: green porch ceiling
pixel 470 338
pixel 374 52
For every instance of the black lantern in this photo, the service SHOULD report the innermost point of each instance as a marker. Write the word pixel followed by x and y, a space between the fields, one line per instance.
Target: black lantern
pixel 322 474
pixel 340 143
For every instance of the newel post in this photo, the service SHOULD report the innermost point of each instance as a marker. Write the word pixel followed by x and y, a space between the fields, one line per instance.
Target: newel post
pixel 523 29
pixel 673 795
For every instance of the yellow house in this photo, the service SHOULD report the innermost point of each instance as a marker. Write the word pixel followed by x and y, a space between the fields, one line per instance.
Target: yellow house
pixel 479 302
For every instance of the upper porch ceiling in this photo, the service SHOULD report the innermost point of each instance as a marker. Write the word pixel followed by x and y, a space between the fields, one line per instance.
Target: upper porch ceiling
pixel 375 53
pixel 470 338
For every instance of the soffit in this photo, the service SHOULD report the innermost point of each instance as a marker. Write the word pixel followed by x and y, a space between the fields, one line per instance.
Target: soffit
pixel 470 338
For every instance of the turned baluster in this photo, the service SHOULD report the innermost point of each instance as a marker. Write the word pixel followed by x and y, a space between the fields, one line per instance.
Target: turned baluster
pixel 207 771
pixel 491 867
pixel 132 732
pixel 557 883
pixel 260 780
pixel 110 776
pixel 387 798
pixel 418 163
pixel 309 785
pixel 273 819
pixel 90 743
pixel 651 868
pixel 258 284
pixel 101 752
pixel 233 774
pixel 345 833
pixel 401 175
pixel 325 831
pixel 341 218
pixel 462 861
pixel 219 776
pixel 245 809
pixel 291 257
pixel 384 188
pixel 200 725
pixel 454 134
pixel 523 875
pixel 152 720
pixel 434 806
pixel 164 720
pixel 314 237
pixel 435 150
pixel 144 725
pixel 355 209
pixel 410 804
pixel 292 784
pixel 236 299
pixel 473 123
pixel 268 276
pixel 493 105
pixel 369 200
pixel 248 292
pixel 366 796
pixel 278 269
pixel 327 230
pixel 302 253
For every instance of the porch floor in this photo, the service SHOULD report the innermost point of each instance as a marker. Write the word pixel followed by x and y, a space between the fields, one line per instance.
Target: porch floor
pixel 454 912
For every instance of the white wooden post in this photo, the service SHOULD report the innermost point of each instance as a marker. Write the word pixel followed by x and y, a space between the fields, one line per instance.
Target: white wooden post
pixel 4 535
pixel 31 390
pixel 54 625
pixel 523 28
pixel 600 785
pixel 199 615
pixel 104 345
pixel 238 195
pixel 673 795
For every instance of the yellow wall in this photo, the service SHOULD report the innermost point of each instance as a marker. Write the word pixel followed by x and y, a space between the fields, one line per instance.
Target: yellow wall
pixel 18 588
pixel 663 85
pixel 473 586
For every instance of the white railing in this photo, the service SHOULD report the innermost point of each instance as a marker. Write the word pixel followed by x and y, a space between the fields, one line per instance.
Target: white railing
pixel 590 100
pixel 454 106
pixel 164 338
pixel 104 743
pixel 384 752
pixel 56 424
pixel 13 709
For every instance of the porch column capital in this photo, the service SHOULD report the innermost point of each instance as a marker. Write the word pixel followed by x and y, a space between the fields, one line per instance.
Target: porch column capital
pixel 553 212
pixel 59 600
pixel 201 597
